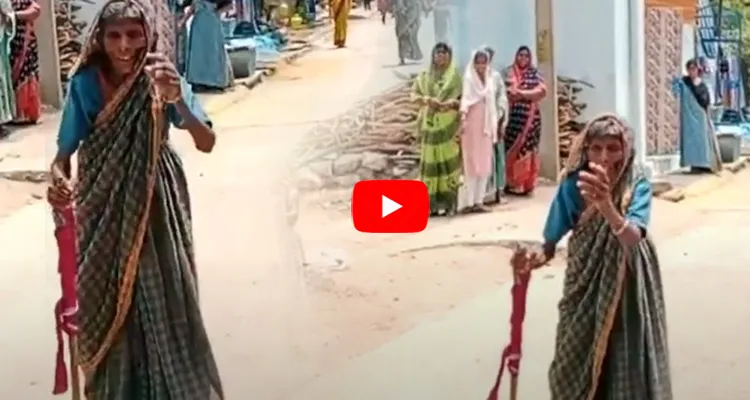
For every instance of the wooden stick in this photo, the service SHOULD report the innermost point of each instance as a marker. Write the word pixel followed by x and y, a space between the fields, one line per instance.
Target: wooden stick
pixel 513 387
pixel 75 376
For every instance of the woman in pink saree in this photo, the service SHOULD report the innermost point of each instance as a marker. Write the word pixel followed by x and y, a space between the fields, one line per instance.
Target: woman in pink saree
pixel 478 132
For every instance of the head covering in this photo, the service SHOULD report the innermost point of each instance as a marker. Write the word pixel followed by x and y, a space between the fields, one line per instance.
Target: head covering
pixel 440 46
pixel 476 89
pixel 607 124
pixel 526 49
pixel 158 24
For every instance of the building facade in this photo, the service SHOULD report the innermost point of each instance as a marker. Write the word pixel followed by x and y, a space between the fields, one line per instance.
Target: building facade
pixel 628 50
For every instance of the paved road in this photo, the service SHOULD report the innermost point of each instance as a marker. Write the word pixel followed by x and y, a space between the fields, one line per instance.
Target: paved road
pixel 455 355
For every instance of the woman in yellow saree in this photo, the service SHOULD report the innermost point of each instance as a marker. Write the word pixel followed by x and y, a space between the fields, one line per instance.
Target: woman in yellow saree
pixel 340 14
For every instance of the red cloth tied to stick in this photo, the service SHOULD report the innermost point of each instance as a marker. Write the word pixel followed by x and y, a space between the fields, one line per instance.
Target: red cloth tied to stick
pixel 67 307
pixel 511 356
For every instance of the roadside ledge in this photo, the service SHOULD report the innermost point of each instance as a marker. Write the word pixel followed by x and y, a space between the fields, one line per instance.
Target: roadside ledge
pixel 665 191
pixel 301 43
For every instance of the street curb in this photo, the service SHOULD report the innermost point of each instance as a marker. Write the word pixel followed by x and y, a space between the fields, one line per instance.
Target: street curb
pixel 705 185
pixel 239 91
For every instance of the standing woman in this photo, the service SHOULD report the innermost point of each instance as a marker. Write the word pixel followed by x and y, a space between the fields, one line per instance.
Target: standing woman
pixel 384 7
pixel 612 331
pixel 438 91
pixel 699 148
pixel 525 89
pixel 141 330
pixel 478 131
pixel 340 13
pixel 206 64
pixel 497 182
pixel 7 96
pixel 24 62
pixel 408 14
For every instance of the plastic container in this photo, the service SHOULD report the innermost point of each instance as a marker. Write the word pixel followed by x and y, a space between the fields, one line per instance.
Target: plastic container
pixel 730 146
pixel 243 56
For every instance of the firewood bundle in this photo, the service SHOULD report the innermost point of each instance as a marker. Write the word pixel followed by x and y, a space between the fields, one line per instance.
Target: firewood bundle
pixel 384 124
pixel 69 33
pixel 569 110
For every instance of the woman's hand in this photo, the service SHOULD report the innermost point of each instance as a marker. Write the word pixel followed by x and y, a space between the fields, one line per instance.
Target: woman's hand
pixel 164 77
pixel 30 13
pixel 60 192
pixel 595 187
pixel 524 261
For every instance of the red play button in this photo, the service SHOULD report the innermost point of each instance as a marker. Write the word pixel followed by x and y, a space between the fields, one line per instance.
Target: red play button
pixel 390 206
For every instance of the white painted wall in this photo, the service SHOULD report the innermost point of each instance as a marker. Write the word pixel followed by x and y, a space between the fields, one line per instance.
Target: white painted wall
pixel 595 40
pixel 592 42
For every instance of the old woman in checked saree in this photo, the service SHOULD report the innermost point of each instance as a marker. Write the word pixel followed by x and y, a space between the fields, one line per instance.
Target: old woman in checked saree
pixel 141 331
pixel 438 91
pixel 611 336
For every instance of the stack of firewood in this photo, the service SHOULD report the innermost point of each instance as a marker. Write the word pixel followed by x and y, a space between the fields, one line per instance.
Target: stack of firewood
pixel 379 138
pixel 69 33
pixel 569 109
pixel 384 124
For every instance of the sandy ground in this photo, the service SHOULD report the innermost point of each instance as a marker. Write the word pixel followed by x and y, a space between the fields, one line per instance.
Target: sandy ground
pixel 275 327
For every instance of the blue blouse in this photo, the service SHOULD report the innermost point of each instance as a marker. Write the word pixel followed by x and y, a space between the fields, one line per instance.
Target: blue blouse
pixel 568 205
pixel 85 100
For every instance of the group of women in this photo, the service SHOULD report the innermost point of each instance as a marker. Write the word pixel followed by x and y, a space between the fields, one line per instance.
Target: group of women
pixel 19 64
pixel 479 133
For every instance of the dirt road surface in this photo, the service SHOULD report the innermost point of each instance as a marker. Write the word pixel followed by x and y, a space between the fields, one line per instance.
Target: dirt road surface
pixel 402 317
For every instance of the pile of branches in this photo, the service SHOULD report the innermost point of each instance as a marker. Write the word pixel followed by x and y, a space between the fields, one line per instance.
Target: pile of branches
pixel 69 33
pixel 569 110
pixel 384 124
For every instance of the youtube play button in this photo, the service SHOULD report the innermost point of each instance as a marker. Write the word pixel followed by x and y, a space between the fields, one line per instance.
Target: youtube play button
pixel 390 206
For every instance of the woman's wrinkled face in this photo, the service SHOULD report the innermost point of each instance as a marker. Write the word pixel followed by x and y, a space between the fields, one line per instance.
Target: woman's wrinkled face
pixel 124 43
pixel 441 57
pixel 523 58
pixel 480 64
pixel 607 151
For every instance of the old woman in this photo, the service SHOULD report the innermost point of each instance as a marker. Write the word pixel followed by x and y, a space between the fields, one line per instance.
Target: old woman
pixel 612 331
pixel 141 330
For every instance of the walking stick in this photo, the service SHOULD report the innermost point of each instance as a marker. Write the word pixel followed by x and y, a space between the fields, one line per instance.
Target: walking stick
pixel 67 307
pixel 511 356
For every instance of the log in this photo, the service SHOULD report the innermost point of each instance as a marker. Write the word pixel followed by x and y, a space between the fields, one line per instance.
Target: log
pixel 387 124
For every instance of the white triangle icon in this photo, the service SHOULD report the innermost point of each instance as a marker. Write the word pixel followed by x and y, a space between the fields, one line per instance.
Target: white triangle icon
pixel 388 206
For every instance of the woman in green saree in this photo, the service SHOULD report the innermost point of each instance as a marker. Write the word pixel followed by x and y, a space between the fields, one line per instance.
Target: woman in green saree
pixel 141 334
pixel 612 333
pixel 438 91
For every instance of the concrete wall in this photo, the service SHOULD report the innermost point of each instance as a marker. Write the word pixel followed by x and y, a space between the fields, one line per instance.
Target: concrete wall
pixel 599 41
pixel 590 43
